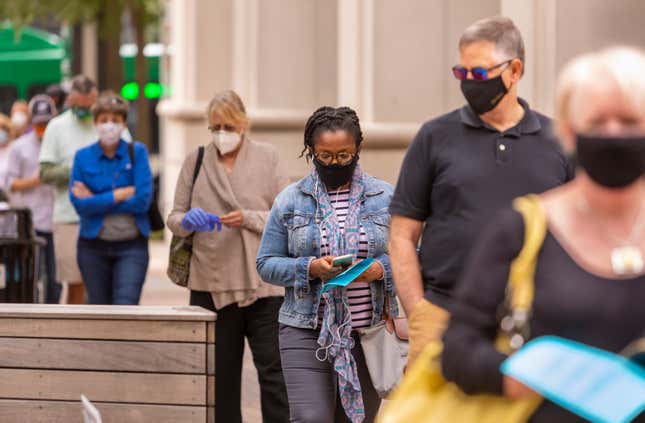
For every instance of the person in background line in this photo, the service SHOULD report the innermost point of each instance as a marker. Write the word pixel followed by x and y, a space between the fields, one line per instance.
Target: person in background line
pixel 56 92
pixel 461 168
pixel 111 189
pixel 334 211
pixel 7 135
pixel 27 191
pixel 590 274
pixel 66 134
pixel 237 183
pixel 20 117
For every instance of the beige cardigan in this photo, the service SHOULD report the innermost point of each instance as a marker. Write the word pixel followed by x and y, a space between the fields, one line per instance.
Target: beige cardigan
pixel 223 263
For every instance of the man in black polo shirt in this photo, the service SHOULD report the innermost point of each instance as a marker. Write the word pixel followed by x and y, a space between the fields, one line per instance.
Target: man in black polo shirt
pixel 461 168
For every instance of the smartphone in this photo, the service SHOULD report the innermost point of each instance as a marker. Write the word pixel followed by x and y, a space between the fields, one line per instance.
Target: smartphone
pixel 343 261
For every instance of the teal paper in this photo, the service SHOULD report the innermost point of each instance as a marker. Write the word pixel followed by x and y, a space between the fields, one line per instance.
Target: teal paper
pixel 348 276
pixel 595 384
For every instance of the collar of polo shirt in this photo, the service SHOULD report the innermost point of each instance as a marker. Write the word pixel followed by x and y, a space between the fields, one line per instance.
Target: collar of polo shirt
pixel 529 124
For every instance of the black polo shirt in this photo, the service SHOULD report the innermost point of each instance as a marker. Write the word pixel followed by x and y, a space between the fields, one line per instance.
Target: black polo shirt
pixel 458 172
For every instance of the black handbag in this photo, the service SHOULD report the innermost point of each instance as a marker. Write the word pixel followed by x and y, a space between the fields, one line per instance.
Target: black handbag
pixel 154 215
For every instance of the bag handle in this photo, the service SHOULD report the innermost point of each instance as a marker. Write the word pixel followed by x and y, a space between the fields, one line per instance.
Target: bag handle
pixel 521 280
pixel 522 272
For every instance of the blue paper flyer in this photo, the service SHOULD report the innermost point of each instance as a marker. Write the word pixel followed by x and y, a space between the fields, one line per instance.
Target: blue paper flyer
pixel 348 276
pixel 595 384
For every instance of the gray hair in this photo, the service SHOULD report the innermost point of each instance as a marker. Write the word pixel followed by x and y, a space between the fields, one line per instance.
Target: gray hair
pixel 498 30
pixel 82 84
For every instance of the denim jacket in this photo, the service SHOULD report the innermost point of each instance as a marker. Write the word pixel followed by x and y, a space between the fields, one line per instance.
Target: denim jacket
pixel 291 241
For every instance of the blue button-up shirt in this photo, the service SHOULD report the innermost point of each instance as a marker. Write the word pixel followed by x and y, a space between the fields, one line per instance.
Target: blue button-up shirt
pixel 102 175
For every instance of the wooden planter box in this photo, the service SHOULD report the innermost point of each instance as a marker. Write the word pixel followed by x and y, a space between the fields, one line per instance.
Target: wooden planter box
pixel 135 363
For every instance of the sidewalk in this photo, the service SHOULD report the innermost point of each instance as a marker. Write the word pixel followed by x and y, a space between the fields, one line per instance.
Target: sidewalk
pixel 159 290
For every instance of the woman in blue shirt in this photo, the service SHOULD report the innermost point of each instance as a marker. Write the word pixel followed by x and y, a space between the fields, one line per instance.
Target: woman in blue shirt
pixel 111 189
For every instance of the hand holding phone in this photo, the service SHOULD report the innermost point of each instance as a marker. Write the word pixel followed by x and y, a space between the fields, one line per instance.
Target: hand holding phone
pixel 343 261
pixel 322 268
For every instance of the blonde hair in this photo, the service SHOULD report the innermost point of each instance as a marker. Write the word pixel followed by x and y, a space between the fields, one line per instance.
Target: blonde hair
pixel 5 123
pixel 574 73
pixel 228 105
pixel 624 66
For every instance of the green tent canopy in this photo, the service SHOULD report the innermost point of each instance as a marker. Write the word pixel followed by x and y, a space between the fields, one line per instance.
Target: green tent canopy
pixel 30 60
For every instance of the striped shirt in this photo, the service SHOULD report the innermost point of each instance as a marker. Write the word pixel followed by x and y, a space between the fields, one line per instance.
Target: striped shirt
pixel 358 293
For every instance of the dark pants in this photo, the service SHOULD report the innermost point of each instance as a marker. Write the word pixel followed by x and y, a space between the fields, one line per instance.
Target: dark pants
pixel 113 271
pixel 312 385
pixel 48 258
pixel 259 323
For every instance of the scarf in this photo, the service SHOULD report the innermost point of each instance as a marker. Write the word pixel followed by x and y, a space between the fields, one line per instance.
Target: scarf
pixel 335 335
pixel 227 259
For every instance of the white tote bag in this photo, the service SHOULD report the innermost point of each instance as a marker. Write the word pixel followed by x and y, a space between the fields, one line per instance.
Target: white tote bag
pixel 386 353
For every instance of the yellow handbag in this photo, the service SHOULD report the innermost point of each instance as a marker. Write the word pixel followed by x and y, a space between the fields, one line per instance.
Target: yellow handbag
pixel 424 396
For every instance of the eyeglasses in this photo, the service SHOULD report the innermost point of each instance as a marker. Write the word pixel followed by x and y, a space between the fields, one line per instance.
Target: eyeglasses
pixel 479 73
pixel 343 158
pixel 216 128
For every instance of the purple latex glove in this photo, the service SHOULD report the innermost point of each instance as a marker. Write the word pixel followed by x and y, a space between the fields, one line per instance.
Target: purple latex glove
pixel 197 220
pixel 214 222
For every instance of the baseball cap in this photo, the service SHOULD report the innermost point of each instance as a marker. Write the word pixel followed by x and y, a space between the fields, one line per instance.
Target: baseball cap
pixel 42 109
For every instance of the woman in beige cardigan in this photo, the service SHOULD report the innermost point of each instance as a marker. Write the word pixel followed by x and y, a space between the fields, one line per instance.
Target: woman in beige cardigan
pixel 236 184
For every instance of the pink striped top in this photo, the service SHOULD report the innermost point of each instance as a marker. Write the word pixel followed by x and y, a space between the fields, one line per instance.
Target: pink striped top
pixel 358 293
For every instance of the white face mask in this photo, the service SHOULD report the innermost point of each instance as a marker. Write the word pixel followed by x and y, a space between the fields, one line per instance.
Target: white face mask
pixel 19 119
pixel 226 141
pixel 109 133
pixel 4 137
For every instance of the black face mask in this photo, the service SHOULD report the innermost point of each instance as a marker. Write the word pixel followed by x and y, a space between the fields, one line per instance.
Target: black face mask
pixel 335 176
pixel 483 96
pixel 613 162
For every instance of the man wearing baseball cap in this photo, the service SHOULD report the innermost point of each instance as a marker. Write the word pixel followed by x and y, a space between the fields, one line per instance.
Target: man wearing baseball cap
pixel 26 189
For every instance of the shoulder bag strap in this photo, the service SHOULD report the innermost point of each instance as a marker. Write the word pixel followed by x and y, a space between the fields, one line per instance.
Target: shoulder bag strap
pixel 522 272
pixel 521 279
pixel 198 166
pixel 131 152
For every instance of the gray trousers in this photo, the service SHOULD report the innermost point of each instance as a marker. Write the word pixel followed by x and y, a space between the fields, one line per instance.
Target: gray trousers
pixel 312 386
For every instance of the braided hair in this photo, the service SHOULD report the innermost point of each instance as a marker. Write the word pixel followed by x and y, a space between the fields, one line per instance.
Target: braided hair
pixel 331 119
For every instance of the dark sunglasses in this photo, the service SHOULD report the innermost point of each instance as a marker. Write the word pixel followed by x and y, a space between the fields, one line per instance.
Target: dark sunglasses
pixel 478 73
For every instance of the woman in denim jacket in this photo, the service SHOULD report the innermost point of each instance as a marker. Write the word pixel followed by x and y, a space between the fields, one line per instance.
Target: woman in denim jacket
pixel 334 211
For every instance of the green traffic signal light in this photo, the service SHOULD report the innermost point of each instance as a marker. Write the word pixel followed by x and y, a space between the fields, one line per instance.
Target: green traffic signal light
pixel 130 91
pixel 152 90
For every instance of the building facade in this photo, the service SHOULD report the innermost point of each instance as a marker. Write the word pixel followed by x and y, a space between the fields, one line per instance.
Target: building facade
pixel 390 60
